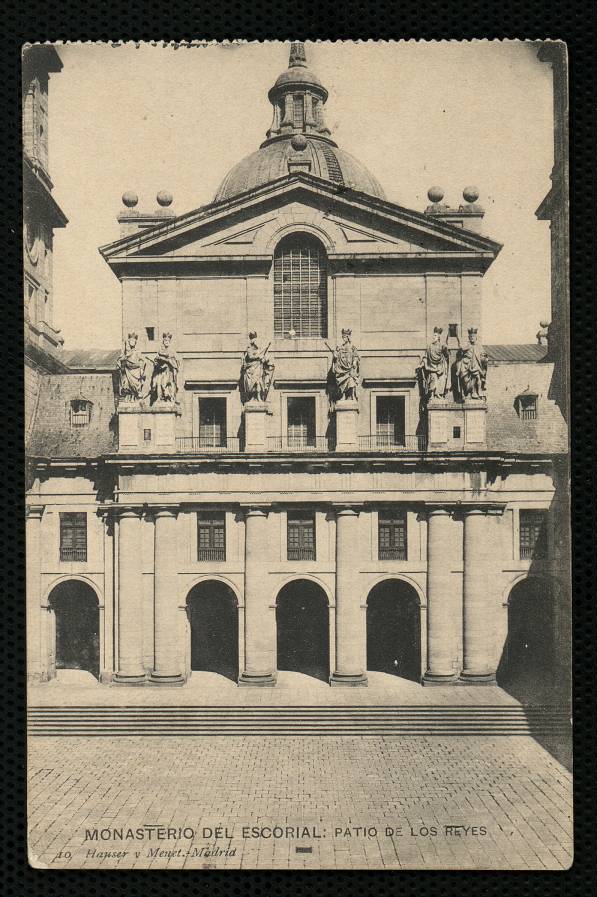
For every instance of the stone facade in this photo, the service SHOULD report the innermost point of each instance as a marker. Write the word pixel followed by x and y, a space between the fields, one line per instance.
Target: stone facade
pixel 410 511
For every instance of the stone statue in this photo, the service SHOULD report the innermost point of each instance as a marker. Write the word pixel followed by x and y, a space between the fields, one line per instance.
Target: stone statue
pixel 131 370
pixel 471 369
pixel 433 368
pixel 256 372
pixel 344 374
pixel 164 380
pixel 544 333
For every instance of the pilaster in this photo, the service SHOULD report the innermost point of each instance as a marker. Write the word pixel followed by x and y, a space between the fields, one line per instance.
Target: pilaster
pixel 36 666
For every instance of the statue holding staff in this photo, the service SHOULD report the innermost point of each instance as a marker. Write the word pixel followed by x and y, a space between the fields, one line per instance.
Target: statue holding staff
pixel 472 368
pixel 433 368
pixel 131 370
pixel 344 375
pixel 256 372
pixel 164 380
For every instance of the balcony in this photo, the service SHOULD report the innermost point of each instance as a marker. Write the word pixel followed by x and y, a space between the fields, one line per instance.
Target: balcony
pixel 383 443
pixel 211 554
pixel 300 444
pixel 73 554
pixel 301 554
pixel 208 444
pixel 392 554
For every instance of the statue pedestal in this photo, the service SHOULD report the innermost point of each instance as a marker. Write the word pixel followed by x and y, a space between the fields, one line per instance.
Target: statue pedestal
pixel 347 416
pixel 147 428
pixel 255 413
pixel 456 426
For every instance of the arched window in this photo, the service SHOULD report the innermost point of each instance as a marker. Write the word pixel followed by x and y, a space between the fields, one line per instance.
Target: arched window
pixel 300 287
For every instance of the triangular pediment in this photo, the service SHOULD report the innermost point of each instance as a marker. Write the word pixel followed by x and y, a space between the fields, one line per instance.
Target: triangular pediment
pixel 347 222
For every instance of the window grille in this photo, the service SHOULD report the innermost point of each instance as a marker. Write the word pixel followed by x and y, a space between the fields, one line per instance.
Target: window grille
pixel 527 407
pixel 392 536
pixel 73 536
pixel 80 413
pixel 533 534
pixel 300 288
pixel 298 111
pixel 211 536
pixel 301 536
pixel 301 421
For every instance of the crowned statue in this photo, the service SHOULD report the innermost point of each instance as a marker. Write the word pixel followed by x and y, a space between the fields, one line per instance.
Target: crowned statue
pixel 471 368
pixel 256 372
pixel 433 367
pixel 164 380
pixel 131 371
pixel 344 375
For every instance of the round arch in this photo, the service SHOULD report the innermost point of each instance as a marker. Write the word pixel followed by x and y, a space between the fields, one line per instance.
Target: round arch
pixel 74 606
pixel 549 579
pixel 394 628
pixel 75 577
pixel 296 577
pixel 397 577
pixel 302 627
pixel 278 234
pixel 212 613
pixel 208 577
pixel 526 666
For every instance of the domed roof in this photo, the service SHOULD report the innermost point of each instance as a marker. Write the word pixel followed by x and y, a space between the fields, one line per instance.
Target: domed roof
pixel 298 139
pixel 272 162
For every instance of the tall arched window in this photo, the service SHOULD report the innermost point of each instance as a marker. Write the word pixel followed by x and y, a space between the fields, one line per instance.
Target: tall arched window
pixel 300 287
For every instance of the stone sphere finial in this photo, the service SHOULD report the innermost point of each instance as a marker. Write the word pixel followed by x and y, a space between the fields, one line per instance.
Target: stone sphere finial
pixel 299 142
pixel 471 194
pixel 435 194
pixel 164 198
pixel 130 199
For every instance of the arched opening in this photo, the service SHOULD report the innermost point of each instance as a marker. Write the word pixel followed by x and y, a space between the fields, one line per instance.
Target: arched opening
pixel 526 665
pixel 394 630
pixel 76 611
pixel 213 615
pixel 300 287
pixel 303 629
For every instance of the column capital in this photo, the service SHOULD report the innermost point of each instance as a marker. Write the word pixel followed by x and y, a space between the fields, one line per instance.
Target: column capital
pixel 439 510
pixel 35 512
pixel 163 510
pixel 128 510
pixel 347 510
pixel 493 508
pixel 255 510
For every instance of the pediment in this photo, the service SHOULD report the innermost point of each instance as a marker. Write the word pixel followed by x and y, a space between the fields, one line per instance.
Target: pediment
pixel 347 222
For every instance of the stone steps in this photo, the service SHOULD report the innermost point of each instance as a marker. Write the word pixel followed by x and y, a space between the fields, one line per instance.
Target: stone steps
pixel 261 721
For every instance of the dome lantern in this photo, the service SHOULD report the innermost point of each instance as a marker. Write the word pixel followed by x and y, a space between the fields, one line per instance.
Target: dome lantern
pixel 298 97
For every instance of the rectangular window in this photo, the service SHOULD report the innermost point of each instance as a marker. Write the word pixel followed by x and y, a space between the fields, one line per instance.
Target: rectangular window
pixel 73 536
pixel 392 536
pixel 533 534
pixel 298 111
pixel 211 536
pixel 301 422
pixel 528 407
pixel 212 423
pixel 150 331
pixel 390 417
pixel 301 536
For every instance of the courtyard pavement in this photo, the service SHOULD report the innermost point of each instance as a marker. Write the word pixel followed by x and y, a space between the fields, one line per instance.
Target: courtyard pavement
pixel 290 802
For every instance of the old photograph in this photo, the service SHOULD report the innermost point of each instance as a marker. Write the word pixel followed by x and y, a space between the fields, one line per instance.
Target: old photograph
pixel 297 488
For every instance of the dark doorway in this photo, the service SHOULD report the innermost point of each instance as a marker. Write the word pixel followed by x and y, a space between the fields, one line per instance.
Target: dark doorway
pixel 394 630
pixel 213 615
pixel 76 610
pixel 303 629
pixel 526 665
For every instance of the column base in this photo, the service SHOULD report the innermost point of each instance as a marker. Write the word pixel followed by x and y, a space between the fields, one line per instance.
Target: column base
pixel 342 680
pixel 166 681
pixel 247 680
pixel 469 678
pixel 433 679
pixel 135 681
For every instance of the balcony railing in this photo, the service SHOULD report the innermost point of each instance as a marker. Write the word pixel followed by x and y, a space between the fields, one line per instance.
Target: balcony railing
pixel 208 444
pixel 73 554
pixel 300 444
pixel 379 443
pixel 392 554
pixel 211 554
pixel 301 554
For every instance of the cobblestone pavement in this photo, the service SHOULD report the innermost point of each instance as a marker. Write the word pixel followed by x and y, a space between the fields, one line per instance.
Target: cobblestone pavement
pixel 314 802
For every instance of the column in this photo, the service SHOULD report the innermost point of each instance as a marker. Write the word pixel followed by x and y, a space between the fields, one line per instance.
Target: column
pixel 167 658
pixel 442 607
pixel 36 664
pixel 477 597
pixel 350 616
pixel 259 629
pixel 130 669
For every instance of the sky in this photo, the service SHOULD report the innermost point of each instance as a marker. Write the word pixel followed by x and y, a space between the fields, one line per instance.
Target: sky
pixel 152 117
